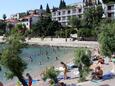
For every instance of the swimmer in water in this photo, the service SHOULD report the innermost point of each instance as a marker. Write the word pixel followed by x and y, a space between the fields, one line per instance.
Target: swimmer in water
pixel 31 59
pixel 57 58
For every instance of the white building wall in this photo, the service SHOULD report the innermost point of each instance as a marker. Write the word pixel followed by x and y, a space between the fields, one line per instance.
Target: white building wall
pixel 63 15
pixel 35 19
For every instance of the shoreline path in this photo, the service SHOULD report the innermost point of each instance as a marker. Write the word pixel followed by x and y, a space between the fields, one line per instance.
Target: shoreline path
pixel 59 42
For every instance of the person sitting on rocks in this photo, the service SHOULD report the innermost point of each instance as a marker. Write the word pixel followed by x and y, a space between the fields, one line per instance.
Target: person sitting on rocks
pixel 98 73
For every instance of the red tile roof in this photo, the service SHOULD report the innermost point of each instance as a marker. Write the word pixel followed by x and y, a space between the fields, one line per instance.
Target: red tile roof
pixel 29 16
pixel 12 20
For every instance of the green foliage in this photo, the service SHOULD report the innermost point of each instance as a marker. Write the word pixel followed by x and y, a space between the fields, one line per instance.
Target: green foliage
pixel 62 4
pixel 4 16
pixel 75 22
pixel 41 8
pixel 107 39
pixel 50 73
pixel 48 9
pixel 2 28
pixel 10 58
pixel 45 27
pixel 22 28
pixel 92 16
pixel 108 1
pixel 82 59
pixel 85 32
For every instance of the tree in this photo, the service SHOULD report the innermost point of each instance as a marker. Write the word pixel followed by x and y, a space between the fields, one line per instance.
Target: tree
pixel 10 26
pixel 47 9
pixel 41 8
pixel 50 73
pixel 4 16
pixel 62 4
pixel 2 28
pixel 45 27
pixel 10 58
pixel 107 39
pixel 92 16
pixel 82 60
pixel 22 28
pixel 27 13
pixel 108 1
pixel 75 22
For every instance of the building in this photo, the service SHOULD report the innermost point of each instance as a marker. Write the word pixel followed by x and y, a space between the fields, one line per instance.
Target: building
pixel 18 15
pixel 110 11
pixel 29 20
pixel 63 15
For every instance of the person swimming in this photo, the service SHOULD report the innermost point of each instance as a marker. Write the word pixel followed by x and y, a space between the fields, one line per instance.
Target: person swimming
pixel 31 59
pixel 57 58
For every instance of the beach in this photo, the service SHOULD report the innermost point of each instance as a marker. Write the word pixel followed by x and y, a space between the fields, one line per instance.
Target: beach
pixel 60 42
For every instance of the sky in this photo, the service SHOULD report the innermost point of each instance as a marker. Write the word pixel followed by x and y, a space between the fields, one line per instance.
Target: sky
pixel 9 7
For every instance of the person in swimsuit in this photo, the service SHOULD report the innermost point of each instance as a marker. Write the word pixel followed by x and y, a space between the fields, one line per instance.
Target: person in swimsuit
pixel 65 69
pixel 98 73
pixel 29 79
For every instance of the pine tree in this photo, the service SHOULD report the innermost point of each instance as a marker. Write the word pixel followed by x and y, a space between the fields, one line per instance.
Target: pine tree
pixel 41 8
pixel 61 2
pixel 4 16
pixel 47 9
pixel 53 10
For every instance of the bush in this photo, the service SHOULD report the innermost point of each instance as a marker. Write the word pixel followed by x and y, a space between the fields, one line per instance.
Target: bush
pixel 50 73
pixel 85 32
pixel 82 59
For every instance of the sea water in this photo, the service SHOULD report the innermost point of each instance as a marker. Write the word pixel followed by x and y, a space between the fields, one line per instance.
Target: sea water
pixel 38 57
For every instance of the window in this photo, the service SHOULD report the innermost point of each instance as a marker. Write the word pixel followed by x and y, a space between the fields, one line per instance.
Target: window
pixel 54 14
pixel 59 13
pixel 110 14
pixel 59 18
pixel 111 7
pixel 79 10
pixel 74 10
pixel 63 12
pixel 63 18
pixel 68 11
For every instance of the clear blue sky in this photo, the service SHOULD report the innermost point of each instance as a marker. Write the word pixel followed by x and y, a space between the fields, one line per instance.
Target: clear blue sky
pixel 9 7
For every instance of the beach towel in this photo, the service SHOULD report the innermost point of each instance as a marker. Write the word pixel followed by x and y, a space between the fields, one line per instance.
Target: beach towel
pixel 33 81
pixel 107 76
pixel 61 76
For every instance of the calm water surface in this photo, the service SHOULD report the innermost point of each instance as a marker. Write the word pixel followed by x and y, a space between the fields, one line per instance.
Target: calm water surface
pixel 38 57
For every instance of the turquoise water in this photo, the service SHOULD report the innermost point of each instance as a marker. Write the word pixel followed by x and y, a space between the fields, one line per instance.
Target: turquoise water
pixel 38 57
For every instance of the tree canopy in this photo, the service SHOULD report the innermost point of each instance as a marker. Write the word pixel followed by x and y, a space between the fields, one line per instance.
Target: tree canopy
pixel 82 60
pixel 48 9
pixel 41 7
pixel 11 59
pixel 4 16
pixel 62 4
pixel 107 39
pixel 45 27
